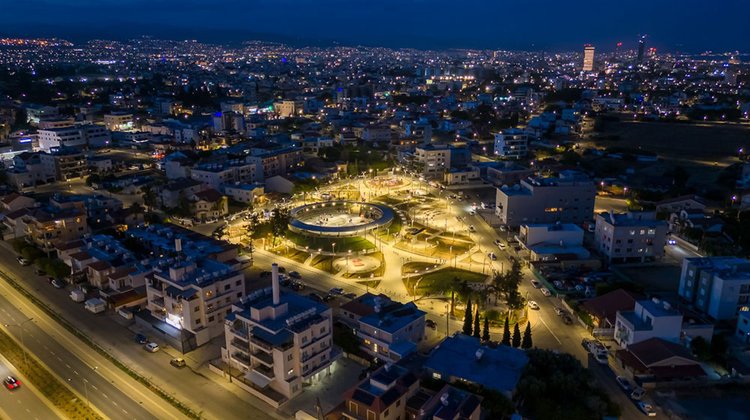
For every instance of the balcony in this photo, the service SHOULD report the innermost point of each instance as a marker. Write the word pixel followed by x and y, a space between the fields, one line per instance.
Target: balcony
pixel 264 358
pixel 240 333
pixel 261 344
pixel 317 353
pixel 242 358
pixel 265 371
pixel 240 343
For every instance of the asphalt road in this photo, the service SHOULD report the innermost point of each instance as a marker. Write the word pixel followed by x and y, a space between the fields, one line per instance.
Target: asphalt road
pixel 24 402
pixel 191 385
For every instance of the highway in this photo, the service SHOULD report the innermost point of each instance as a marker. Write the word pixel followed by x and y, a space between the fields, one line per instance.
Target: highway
pixel 25 402
pixel 194 386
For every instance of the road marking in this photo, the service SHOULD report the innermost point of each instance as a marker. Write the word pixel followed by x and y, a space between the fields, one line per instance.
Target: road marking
pixel 76 372
pixel 114 403
pixel 105 395
pixel 94 386
pixel 548 329
pixel 67 366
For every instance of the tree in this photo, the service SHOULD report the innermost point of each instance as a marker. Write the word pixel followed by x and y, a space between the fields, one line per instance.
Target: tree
pixel 279 223
pixel 526 341
pixel 506 285
pixel 467 318
pixel 506 332
pixel 516 336
pixel 486 330
pixel 93 179
pixel 476 331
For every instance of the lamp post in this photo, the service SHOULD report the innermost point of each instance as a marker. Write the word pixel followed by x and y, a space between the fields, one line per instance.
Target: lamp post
pixel 23 343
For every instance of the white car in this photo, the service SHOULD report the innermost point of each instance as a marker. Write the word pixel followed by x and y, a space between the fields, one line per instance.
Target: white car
pixel 151 347
pixel 502 246
pixel 492 256
pixel 545 292
pixel 601 358
pixel 533 305
pixel 638 393
pixel 647 409
pixel 497 242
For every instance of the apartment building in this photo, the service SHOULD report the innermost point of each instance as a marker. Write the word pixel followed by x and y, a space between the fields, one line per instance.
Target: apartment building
pixel 382 396
pixel 568 198
pixel 61 137
pixel 649 319
pixel 512 143
pixel 630 237
pixel 716 286
pixel 64 163
pixel 280 341
pixel 45 227
pixel 387 330
pixel 216 175
pixel 118 121
pixel 244 193
pixel 276 162
pixel 193 295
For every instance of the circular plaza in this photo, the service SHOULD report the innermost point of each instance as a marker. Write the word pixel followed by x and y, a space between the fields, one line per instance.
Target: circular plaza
pixel 339 218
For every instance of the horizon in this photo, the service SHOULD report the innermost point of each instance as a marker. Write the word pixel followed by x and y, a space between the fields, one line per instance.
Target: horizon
pixel 437 25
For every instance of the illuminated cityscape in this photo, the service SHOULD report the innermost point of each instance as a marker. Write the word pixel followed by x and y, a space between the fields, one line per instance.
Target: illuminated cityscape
pixel 327 224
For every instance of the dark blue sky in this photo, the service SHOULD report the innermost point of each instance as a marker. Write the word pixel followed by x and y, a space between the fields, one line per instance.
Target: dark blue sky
pixel 683 25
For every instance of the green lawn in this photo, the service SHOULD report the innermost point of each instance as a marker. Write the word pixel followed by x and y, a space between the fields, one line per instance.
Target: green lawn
pixel 440 281
pixel 354 243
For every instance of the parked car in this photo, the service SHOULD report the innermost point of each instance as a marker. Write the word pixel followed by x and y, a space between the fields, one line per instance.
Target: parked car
pixel 151 347
pixel 567 320
pixel 502 246
pixel 533 305
pixel 316 297
pixel 329 297
pixel 559 311
pixel 295 275
pixel 430 324
pixel 638 393
pixel 336 291
pixel 492 256
pixel 497 242
pixel 23 261
pixel 601 358
pixel 545 291
pixel 11 383
pixel 140 339
pixel 647 409
pixel 56 283
pixel 178 362
pixel 472 228
pixel 350 295
pixel 624 383
pixel 536 284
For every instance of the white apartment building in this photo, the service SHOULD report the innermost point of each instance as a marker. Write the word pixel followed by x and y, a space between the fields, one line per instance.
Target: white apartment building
pixel 512 143
pixel 716 286
pixel 217 175
pixel 433 160
pixel 568 198
pixel 649 319
pixel 280 341
pixel 61 137
pixel 630 237
pixel 118 121
pixel 193 295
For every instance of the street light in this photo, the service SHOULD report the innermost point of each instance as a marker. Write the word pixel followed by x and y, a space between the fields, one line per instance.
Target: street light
pixel 23 343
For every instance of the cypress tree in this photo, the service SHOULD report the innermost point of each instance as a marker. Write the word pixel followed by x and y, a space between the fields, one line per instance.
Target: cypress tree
pixel 516 336
pixel 526 342
pixel 467 318
pixel 477 331
pixel 486 331
pixel 506 333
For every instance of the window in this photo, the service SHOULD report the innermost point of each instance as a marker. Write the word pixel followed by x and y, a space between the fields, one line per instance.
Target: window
pixel 227 286
pixel 290 356
pixel 353 407
pixel 197 308
pixel 238 282
pixel 211 319
pixel 289 372
pixel 370 415
pixel 385 413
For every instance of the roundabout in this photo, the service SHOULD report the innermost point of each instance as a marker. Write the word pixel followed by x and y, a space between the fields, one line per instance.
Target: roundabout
pixel 336 219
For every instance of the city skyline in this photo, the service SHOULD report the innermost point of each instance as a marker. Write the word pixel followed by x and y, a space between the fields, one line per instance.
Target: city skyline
pixel 477 24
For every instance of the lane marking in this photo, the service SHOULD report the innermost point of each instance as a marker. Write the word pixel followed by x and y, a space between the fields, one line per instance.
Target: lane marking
pixel 550 330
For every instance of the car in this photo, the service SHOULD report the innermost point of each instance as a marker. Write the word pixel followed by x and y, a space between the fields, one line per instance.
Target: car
pixel 23 261
pixel 497 242
pixel 316 297
pixel 282 269
pixel 57 283
pixel 533 305
pixel 39 272
pixel 336 291
pixel 492 256
pixel 647 409
pixel 11 383
pixel 503 228
pixel 637 393
pixel 536 284
pixel 567 320
pixel 472 213
pixel 472 228
pixel 586 343
pixel 671 242
pixel 140 339
pixel 624 383
pixel 502 246
pixel 601 358
pixel 430 324
pixel 265 274
pixel 151 347
pixel 559 310
pixel 178 362
pixel 545 291
pixel 329 297
pixel 295 275
pixel 350 295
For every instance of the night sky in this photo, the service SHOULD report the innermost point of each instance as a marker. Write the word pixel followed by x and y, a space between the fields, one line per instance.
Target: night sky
pixel 674 25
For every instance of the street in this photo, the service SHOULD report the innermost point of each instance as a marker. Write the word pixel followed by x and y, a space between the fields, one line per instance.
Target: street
pixel 25 402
